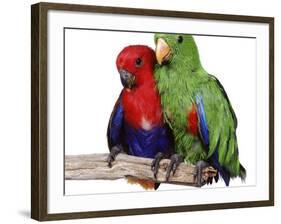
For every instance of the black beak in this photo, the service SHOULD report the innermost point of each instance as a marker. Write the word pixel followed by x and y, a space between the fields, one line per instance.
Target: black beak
pixel 127 79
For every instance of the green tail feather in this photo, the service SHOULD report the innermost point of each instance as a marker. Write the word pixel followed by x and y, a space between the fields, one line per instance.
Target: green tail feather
pixel 242 173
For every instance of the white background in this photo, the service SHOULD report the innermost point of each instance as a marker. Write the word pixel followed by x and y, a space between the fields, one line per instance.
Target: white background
pixel 57 20
pixel 92 85
pixel 15 113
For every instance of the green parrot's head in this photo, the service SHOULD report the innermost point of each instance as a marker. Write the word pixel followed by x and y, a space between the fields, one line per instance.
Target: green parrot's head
pixel 176 49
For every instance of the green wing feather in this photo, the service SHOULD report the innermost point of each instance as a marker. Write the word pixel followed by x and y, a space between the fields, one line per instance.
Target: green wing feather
pixel 222 125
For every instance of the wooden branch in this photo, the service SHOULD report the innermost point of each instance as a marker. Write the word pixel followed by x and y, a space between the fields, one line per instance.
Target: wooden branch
pixel 94 166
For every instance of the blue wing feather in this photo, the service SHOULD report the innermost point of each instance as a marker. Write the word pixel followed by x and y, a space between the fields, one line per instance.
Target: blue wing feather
pixel 115 133
pixel 204 132
pixel 222 170
pixel 203 127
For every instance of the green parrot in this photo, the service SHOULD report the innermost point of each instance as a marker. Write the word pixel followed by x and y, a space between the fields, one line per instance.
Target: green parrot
pixel 197 109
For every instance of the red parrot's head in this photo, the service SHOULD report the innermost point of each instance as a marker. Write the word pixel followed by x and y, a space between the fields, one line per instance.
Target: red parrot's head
pixel 135 65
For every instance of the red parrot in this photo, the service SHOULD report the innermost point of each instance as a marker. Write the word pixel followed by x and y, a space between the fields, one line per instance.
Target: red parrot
pixel 136 125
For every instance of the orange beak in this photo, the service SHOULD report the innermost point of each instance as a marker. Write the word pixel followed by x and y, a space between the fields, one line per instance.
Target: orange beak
pixel 163 51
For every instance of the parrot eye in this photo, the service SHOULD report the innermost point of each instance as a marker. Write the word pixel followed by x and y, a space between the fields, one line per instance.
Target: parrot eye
pixel 180 39
pixel 138 62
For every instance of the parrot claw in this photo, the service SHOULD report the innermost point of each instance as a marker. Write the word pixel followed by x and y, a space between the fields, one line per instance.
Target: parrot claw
pixel 156 186
pixel 200 165
pixel 205 173
pixel 115 150
pixel 176 159
pixel 156 162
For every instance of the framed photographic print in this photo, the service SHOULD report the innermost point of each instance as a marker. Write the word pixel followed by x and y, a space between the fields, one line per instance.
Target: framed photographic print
pixel 138 111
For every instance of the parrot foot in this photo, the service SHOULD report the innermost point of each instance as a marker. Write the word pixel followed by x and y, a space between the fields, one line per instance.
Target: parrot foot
pixel 156 162
pixel 115 150
pixel 176 159
pixel 205 173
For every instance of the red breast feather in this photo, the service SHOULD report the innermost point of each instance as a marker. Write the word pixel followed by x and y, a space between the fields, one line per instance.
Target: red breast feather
pixel 142 103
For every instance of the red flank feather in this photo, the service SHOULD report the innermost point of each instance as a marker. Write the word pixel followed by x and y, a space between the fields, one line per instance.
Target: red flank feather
pixel 192 121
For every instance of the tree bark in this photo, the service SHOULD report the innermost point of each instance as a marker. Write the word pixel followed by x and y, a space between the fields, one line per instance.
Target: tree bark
pixel 95 167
